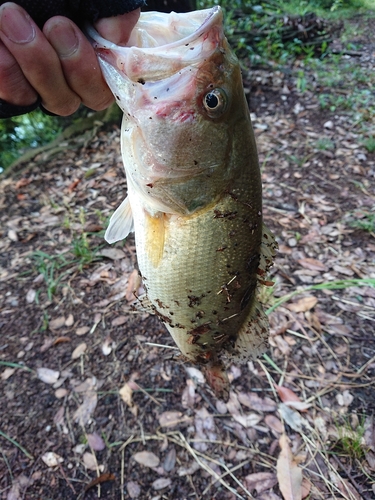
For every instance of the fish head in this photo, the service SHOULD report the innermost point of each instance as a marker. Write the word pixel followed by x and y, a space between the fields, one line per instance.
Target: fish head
pixel 180 88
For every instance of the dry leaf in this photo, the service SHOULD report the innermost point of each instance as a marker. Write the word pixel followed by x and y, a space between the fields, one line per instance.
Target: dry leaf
pixel 8 372
pixel 188 395
pixel 171 418
pixel 120 320
pixel 51 459
pixel 126 394
pixel 133 489
pixel 112 253
pixel 90 461
pixel 61 393
pixel 248 420
pixel 312 264
pixel 57 323
pixel 79 350
pixel 95 442
pixel 30 296
pixel 345 398
pixel 291 399
pixel 289 474
pixel 82 330
pixel 85 410
pixel 261 481
pixel 147 458
pixel 306 487
pixel 107 346
pixel 195 374
pixel 69 320
pixel 48 376
pixel 253 401
pixel 103 478
pixel 161 483
pixel 274 423
pixel 303 305
pixel 170 460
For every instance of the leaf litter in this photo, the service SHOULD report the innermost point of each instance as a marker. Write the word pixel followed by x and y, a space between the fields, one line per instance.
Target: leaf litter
pixel 289 429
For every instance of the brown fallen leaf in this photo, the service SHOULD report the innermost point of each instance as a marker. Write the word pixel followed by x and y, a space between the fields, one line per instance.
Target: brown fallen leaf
pixel 161 483
pixel 313 264
pixel 274 424
pixel 61 340
pixel 8 372
pixel 103 478
pixel 133 489
pixel 170 460
pixel 83 413
pixel 79 350
pixel 90 461
pixel 290 398
pixel 95 442
pixel 261 481
pixel 172 418
pixel 303 305
pixel 253 401
pixel 57 323
pixel 289 474
pixel 82 330
pixel 120 320
pixel 147 458
pixel 112 253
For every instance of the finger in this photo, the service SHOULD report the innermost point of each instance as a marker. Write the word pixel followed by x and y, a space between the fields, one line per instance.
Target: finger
pixel 14 88
pixel 118 29
pixel 80 66
pixel 37 59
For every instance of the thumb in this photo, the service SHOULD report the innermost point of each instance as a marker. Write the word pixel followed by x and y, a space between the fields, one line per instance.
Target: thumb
pixel 118 29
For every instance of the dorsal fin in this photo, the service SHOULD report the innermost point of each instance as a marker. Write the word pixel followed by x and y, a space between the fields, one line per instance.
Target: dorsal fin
pixel 121 223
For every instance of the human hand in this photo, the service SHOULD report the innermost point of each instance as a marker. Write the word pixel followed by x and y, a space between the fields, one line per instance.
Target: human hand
pixel 58 64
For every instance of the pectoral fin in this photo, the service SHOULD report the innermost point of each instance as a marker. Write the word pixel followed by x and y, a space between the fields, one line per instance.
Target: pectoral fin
pixel 121 223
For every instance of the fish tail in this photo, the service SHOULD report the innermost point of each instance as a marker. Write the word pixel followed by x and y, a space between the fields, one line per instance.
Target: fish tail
pixel 217 379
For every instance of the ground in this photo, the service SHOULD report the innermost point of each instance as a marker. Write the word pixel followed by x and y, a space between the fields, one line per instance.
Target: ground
pixel 95 402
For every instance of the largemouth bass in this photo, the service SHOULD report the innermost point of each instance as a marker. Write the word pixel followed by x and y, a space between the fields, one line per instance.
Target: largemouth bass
pixel 194 187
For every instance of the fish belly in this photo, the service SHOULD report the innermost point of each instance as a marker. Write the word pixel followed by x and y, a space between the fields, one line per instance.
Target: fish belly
pixel 200 271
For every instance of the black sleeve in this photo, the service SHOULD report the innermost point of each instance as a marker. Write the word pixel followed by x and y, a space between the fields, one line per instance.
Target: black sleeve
pixel 76 10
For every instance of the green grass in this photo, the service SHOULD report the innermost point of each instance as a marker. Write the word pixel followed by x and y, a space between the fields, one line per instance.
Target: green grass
pixel 369 144
pixel 350 440
pixel 324 144
pixel 329 285
pixel 363 220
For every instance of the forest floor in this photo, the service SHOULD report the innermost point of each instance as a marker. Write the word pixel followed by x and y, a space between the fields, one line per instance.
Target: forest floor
pixel 91 403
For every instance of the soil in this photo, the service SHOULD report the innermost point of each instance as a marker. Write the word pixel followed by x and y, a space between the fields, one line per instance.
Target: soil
pixel 94 399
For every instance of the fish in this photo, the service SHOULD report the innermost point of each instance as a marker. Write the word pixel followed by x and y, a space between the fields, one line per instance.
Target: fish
pixel 194 192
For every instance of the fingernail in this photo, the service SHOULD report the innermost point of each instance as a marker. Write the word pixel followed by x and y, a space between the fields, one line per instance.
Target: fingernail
pixel 17 25
pixel 63 39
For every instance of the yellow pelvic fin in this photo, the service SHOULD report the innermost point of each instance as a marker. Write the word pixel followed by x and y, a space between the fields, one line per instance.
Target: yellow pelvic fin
pixel 155 236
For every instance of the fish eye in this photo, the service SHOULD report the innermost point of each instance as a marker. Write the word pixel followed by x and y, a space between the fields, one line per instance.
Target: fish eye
pixel 215 102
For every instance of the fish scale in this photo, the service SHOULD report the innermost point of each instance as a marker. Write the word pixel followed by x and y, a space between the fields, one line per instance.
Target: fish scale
pixel 194 187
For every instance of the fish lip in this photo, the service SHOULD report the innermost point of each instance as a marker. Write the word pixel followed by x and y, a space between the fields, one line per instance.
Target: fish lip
pixel 214 14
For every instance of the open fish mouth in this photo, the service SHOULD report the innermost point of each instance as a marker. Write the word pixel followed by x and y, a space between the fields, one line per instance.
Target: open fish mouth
pixel 174 41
